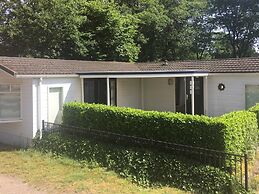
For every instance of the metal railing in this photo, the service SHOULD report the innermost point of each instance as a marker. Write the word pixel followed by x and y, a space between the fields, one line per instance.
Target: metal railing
pixel 234 164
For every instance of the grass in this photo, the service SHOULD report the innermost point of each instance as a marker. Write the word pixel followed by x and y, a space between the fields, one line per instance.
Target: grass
pixel 63 175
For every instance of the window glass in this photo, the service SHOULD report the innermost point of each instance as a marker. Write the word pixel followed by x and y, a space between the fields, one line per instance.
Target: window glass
pixel 252 95
pixel 95 91
pixel 10 106
pixel 10 102
pixel 89 91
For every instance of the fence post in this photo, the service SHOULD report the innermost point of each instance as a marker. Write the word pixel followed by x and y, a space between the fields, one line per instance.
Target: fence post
pixel 43 125
pixel 42 128
pixel 246 172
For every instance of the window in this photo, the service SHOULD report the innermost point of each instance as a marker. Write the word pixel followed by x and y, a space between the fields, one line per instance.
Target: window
pixel 10 102
pixel 252 95
pixel 95 91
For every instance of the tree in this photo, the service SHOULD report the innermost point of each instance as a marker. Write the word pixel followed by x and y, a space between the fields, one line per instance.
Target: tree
pixel 39 28
pixel 183 33
pixel 239 19
pixel 166 29
pixel 70 29
pixel 107 34
pixel 203 38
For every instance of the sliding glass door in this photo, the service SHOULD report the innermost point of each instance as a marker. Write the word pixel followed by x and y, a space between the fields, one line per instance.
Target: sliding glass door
pixel 95 91
pixel 183 95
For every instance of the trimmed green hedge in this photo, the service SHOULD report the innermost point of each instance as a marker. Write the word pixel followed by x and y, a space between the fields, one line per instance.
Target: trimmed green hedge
pixel 235 132
pixel 255 109
pixel 141 166
pixel 241 132
pixel 198 131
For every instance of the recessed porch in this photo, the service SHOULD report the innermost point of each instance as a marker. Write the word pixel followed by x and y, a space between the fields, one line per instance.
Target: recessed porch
pixel 184 92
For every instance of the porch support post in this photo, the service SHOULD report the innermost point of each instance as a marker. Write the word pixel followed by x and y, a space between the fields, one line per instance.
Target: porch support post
pixel 192 90
pixel 185 100
pixel 205 95
pixel 108 91
pixel 142 94
pixel 82 90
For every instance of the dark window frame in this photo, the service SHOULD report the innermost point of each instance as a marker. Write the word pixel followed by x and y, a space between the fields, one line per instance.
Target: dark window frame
pixel 99 88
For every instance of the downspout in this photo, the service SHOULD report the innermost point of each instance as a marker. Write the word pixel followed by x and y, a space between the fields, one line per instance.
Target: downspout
pixel 39 107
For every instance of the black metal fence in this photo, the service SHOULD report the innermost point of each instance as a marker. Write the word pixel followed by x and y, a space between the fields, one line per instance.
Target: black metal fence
pixel 234 164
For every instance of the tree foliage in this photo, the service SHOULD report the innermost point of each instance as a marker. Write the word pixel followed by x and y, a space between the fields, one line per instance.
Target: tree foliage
pixel 67 29
pixel 39 28
pixel 107 34
pixel 129 30
pixel 239 19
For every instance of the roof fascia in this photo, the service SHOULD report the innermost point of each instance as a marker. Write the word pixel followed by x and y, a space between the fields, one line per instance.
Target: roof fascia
pixel 7 70
pixel 233 73
pixel 144 75
pixel 48 76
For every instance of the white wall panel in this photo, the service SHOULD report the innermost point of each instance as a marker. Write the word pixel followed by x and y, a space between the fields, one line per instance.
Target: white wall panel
pixel 19 133
pixel 129 92
pixel 159 95
pixel 71 92
pixel 233 97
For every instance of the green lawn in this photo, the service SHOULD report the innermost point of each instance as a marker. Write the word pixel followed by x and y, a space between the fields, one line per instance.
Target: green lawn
pixel 63 175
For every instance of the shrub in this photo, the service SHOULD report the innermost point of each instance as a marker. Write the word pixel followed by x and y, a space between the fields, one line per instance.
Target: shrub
pixel 198 131
pixel 255 109
pixel 141 166
pixel 234 132
pixel 240 132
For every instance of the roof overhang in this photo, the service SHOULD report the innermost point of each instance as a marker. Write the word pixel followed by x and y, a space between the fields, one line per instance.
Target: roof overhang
pixel 144 74
pixel 48 76
pixel 7 70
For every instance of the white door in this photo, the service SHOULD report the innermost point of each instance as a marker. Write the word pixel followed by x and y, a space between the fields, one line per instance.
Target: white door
pixel 55 104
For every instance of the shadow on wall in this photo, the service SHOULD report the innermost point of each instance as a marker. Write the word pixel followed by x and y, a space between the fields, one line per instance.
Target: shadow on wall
pixel 68 91
pixel 15 140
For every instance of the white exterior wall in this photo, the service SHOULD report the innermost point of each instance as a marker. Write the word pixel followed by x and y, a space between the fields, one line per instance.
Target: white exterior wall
pixel 147 93
pixel 71 93
pixel 233 97
pixel 159 95
pixel 19 133
pixel 129 92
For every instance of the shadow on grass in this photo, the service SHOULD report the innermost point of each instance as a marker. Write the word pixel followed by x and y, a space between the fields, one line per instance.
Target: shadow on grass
pixel 145 168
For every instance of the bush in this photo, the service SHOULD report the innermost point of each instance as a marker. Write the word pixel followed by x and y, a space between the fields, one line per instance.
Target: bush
pixel 141 166
pixel 198 131
pixel 241 132
pixel 255 109
pixel 234 132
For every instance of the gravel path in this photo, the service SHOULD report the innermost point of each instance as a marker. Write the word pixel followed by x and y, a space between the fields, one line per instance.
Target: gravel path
pixel 12 185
